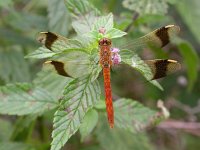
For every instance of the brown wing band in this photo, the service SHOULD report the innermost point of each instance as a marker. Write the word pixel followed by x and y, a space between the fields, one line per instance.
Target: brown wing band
pixel 59 67
pixel 50 39
pixel 163 35
pixel 161 68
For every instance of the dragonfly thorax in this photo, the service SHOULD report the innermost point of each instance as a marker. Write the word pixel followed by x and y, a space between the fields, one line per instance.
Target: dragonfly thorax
pixel 105 52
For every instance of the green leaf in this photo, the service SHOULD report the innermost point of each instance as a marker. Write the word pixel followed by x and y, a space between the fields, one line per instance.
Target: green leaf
pixel 94 35
pixel 84 15
pixel 89 122
pixel 146 6
pixel 5 130
pixel 190 18
pixel 13 67
pixel 23 99
pixel 119 139
pixel 16 20
pixel 101 104
pixel 132 59
pixel 95 72
pixel 15 146
pixel 84 25
pixel 48 80
pixel 59 19
pixel 191 61
pixel 131 115
pixel 79 96
pixel 79 8
pixel 41 53
pixel 115 33
pixel 104 21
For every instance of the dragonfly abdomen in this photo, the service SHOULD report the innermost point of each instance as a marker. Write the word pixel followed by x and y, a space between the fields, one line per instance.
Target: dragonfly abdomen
pixel 108 95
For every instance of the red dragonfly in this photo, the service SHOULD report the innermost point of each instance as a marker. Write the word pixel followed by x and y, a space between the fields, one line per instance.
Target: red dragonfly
pixel 159 67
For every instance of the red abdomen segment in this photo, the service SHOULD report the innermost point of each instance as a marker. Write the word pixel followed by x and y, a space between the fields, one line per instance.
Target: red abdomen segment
pixel 108 95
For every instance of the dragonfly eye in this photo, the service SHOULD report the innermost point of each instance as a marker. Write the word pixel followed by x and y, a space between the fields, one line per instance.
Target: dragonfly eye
pixel 105 42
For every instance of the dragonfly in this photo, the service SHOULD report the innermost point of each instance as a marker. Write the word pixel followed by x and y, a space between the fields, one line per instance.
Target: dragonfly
pixel 159 67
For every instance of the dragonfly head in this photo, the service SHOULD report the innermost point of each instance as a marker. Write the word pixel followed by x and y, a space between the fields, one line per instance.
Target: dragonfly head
pixel 105 42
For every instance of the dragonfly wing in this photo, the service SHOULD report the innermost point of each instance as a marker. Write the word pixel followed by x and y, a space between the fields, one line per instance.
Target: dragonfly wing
pixel 57 43
pixel 71 64
pixel 159 37
pixel 162 67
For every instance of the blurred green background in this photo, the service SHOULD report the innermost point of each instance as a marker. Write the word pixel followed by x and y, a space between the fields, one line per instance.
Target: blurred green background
pixel 20 22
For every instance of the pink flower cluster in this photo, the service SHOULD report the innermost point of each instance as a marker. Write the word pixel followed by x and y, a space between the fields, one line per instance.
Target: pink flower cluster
pixel 116 58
